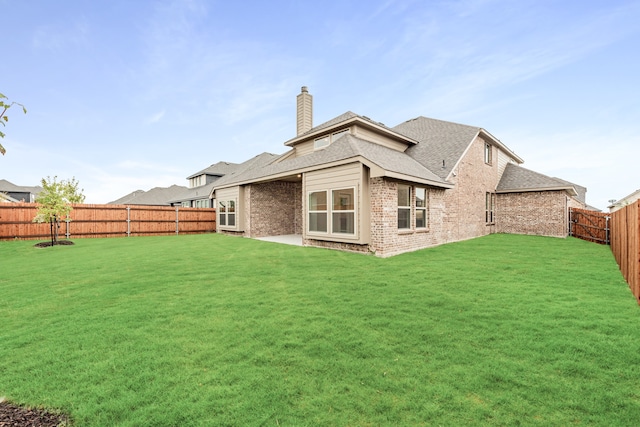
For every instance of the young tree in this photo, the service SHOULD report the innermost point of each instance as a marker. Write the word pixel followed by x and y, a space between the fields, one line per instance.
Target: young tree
pixel 54 202
pixel 4 106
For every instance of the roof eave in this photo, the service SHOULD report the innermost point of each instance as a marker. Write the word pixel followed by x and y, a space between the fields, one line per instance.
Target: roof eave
pixel 358 158
pixel 405 177
pixel 500 144
pixel 571 190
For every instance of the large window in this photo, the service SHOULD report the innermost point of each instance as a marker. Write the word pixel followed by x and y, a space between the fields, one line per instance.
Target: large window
pixel 343 216
pixel 404 207
pixel 227 213
pixel 490 203
pixel 318 211
pixel 421 207
pixel 336 215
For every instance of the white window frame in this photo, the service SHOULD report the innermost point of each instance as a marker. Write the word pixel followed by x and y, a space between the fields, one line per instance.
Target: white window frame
pixel 490 208
pixel 423 209
pixel 343 211
pixel 404 207
pixel 323 142
pixel 224 214
pixel 488 153
pixel 330 211
pixel 316 211
pixel 326 140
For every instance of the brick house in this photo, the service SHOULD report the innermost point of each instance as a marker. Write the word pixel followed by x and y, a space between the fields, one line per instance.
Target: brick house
pixel 355 184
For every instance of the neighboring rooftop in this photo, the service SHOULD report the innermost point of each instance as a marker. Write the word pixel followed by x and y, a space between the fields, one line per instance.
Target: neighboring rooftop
pixel 158 196
pixel 216 169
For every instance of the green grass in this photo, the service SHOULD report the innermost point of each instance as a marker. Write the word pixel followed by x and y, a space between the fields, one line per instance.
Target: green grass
pixel 215 330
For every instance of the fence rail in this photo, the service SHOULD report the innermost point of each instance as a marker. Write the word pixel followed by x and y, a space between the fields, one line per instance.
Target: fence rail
pixel 589 225
pixel 625 244
pixel 107 221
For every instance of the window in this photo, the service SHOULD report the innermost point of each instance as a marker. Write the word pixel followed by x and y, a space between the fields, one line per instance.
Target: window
pixel 343 215
pixel 421 207
pixel 231 213
pixel 490 203
pixel 227 213
pixel 222 212
pixel 318 212
pixel 328 139
pixel 404 207
pixel 202 203
pixel 321 142
pixel 332 216
pixel 487 153
pixel 196 181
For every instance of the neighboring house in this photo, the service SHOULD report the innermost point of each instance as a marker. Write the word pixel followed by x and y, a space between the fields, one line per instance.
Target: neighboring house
pixel 355 184
pixel 619 204
pixel 200 186
pixel 7 199
pixel 16 193
pixel 158 196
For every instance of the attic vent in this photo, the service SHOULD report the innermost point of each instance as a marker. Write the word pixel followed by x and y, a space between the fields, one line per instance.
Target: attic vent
pixel 443 166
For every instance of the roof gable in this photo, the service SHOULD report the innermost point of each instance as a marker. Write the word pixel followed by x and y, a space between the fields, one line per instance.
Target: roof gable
pixel 349 118
pixel 441 144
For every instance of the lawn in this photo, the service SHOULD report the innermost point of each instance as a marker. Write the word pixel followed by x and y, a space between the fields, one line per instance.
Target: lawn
pixel 214 330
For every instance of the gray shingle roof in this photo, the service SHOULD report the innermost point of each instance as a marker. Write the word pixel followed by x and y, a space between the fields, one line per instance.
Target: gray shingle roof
pixel 201 192
pixel 219 169
pixel 582 191
pixel 516 178
pixel 438 141
pixel 157 196
pixel 254 164
pixel 345 147
pixel 349 115
pixel 6 186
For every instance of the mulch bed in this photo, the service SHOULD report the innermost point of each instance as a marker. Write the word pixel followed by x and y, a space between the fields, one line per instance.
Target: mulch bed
pixel 17 416
pixel 47 244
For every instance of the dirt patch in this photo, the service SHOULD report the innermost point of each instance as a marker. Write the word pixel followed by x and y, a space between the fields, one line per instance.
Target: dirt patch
pixel 47 244
pixel 17 416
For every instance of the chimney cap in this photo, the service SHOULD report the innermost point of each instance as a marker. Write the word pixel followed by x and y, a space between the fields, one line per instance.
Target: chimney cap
pixel 304 89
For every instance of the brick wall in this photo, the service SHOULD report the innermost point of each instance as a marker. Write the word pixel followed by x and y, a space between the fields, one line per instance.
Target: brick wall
pixel 465 204
pixel 543 213
pixel 386 239
pixel 273 209
pixel 342 246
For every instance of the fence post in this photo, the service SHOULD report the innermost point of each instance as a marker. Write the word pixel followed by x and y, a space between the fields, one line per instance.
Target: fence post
pixel 177 222
pixel 68 220
pixel 570 221
pixel 128 221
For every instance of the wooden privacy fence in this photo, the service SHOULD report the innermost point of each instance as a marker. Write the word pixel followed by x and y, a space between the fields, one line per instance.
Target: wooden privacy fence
pixel 589 225
pixel 107 221
pixel 625 244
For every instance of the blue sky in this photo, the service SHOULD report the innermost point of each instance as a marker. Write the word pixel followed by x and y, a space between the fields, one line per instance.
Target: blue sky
pixel 126 95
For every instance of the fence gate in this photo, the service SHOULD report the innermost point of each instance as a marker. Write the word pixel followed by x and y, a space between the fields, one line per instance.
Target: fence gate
pixel 589 225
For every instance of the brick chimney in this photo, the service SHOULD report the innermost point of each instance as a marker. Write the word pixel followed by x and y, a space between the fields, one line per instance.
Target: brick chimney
pixel 304 111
